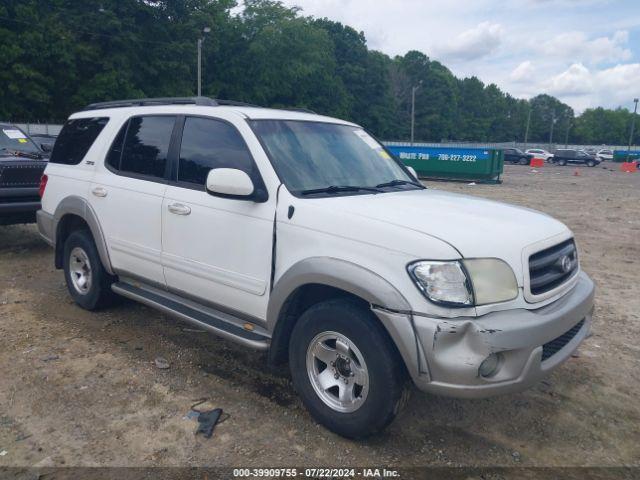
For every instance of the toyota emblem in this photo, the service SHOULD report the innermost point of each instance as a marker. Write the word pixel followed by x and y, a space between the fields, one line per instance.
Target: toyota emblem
pixel 566 263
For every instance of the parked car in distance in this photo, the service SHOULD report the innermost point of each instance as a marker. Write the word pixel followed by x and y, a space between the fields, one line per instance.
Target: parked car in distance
pixel 564 156
pixel 605 155
pixel 517 156
pixel 301 236
pixel 540 153
pixel 21 165
pixel 45 141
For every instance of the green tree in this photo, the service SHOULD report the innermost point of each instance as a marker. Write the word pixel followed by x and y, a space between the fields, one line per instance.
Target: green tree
pixel 60 55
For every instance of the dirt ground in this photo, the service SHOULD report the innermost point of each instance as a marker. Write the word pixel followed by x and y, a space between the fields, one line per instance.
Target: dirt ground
pixel 82 389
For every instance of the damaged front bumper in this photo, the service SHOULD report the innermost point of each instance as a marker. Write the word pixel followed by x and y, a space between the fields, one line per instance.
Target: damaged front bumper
pixel 527 345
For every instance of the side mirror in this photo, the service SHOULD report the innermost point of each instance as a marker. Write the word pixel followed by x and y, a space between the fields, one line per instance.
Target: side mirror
pixel 413 172
pixel 230 183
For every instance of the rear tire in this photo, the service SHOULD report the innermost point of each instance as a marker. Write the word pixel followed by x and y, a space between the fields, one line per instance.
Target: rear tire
pixel 88 282
pixel 562 162
pixel 346 369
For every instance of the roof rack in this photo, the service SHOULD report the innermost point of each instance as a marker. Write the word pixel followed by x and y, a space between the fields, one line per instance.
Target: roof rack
pixel 202 101
pixel 145 102
pixel 299 109
pixel 234 103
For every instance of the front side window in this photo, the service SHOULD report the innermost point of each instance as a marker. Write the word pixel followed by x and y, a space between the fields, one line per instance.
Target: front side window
pixel 146 146
pixel 75 139
pixel 311 156
pixel 208 144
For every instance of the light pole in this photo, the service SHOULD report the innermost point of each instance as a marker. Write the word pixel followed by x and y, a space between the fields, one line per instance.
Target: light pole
pixel 633 126
pixel 413 109
pixel 205 30
pixel 526 131
pixel 566 138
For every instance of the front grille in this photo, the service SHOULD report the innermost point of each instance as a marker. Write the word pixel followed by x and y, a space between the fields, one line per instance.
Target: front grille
pixel 21 175
pixel 554 346
pixel 551 267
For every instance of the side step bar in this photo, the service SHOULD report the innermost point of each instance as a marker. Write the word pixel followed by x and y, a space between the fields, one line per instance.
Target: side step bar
pixel 214 321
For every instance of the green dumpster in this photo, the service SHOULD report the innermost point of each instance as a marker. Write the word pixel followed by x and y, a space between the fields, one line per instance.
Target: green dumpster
pixel 451 163
pixel 621 155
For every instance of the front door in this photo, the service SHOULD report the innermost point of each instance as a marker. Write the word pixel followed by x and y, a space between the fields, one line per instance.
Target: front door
pixel 217 250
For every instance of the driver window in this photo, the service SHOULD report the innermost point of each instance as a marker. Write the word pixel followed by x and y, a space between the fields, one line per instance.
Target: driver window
pixel 208 143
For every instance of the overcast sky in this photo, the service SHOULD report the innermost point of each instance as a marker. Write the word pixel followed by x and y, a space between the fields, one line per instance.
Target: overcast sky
pixel 585 52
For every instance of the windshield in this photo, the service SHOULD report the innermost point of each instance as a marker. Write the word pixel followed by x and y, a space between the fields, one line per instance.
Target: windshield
pixel 13 139
pixel 319 158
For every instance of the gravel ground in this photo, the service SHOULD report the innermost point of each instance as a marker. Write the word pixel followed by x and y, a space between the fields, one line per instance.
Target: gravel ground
pixel 82 389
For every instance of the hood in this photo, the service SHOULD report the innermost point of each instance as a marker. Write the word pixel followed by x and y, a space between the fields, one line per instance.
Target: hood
pixel 473 226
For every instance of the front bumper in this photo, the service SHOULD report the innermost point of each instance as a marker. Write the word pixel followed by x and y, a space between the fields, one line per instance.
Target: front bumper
pixel 450 351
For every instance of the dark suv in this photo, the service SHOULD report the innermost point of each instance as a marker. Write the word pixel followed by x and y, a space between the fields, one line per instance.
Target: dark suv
pixel 22 163
pixel 564 156
pixel 515 155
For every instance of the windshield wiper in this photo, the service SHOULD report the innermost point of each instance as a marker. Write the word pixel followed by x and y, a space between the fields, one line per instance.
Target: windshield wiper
pixel 339 188
pixel 393 183
pixel 22 153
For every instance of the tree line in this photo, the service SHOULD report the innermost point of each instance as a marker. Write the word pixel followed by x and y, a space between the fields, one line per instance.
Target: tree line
pixel 60 55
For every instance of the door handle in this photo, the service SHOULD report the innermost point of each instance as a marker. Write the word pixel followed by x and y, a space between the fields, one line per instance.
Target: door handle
pixel 99 191
pixel 179 209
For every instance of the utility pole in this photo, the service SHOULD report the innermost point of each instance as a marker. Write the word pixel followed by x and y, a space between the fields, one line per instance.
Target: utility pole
pixel 553 122
pixel 413 109
pixel 205 30
pixel 526 132
pixel 633 126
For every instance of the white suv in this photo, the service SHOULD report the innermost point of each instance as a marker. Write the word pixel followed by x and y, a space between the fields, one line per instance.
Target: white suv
pixel 301 235
pixel 541 153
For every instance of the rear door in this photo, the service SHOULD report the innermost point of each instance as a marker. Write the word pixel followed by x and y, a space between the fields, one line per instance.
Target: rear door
pixel 127 193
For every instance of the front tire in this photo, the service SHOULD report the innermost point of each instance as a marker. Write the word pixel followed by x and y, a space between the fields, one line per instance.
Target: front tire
pixel 524 161
pixel 88 282
pixel 346 369
pixel 591 163
pixel 562 163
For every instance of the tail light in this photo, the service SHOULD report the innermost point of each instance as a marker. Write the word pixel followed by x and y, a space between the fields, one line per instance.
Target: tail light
pixel 43 185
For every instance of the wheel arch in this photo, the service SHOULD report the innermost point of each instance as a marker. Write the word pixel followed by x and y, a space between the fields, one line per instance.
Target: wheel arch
pixel 72 213
pixel 321 278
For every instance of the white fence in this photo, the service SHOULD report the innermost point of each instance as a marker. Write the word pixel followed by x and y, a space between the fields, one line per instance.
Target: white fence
pixel 54 129
pixel 521 145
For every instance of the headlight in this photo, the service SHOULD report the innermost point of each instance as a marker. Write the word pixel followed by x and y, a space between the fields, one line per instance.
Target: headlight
pixel 492 279
pixel 465 283
pixel 442 282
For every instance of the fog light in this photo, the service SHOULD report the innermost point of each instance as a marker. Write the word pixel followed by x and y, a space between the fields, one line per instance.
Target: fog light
pixel 490 365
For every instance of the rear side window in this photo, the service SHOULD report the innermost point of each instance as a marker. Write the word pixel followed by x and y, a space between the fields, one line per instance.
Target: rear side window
pixel 208 144
pixel 146 146
pixel 76 139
